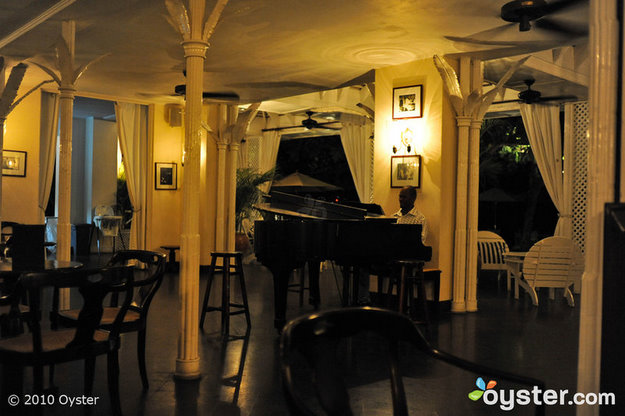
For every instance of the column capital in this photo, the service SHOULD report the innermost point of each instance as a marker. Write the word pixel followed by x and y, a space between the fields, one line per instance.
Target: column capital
pixel 235 146
pixel 195 48
pixel 476 124
pixel 67 91
pixel 463 121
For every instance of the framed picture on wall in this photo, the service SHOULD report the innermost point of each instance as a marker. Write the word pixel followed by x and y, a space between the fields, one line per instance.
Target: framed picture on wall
pixel 408 102
pixel 14 163
pixel 166 176
pixel 405 171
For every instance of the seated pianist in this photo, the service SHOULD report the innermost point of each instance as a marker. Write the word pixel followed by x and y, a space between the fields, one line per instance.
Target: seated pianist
pixel 407 214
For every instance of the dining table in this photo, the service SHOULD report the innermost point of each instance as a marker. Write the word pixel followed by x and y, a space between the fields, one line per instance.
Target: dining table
pixel 514 263
pixel 7 268
pixel 8 278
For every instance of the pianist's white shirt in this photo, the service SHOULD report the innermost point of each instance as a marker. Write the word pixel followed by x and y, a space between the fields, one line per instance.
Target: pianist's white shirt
pixel 414 217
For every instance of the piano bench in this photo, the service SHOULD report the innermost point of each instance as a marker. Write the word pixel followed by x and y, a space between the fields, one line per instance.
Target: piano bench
pixel 413 276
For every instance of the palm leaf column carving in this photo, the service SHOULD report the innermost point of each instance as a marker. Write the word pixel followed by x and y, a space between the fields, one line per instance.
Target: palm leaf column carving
pixel 65 74
pixel 228 138
pixel 8 101
pixel 195 32
pixel 470 108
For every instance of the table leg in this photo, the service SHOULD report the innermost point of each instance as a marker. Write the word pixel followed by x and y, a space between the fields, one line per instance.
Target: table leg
pixel 402 289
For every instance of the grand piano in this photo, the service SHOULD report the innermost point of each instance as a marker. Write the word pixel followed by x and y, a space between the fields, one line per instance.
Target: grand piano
pixel 297 230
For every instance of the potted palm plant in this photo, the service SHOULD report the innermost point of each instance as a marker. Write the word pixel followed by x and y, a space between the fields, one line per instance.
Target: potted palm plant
pixel 248 193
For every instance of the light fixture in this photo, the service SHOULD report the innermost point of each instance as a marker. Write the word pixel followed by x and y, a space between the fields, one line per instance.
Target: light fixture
pixel 406 140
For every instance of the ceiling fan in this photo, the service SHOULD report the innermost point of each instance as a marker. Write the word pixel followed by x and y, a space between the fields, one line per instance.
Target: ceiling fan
pixel 309 124
pixel 530 96
pixel 528 14
pixel 218 97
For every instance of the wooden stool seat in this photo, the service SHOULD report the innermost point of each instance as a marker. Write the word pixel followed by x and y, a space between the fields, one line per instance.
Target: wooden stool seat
pixel 171 258
pixel 410 275
pixel 227 269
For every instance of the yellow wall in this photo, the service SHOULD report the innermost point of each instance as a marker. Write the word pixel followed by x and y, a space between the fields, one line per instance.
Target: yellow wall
pixel 20 195
pixel 165 218
pixel 434 141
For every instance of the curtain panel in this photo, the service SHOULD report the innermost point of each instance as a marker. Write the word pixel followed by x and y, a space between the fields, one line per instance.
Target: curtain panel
pixel 269 145
pixel 132 133
pixel 47 143
pixel 355 141
pixel 542 124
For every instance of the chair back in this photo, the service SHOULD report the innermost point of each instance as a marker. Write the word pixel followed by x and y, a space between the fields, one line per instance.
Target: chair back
pixel 315 337
pixel 553 262
pixel 149 269
pixel 92 284
pixel 26 246
pixel 490 248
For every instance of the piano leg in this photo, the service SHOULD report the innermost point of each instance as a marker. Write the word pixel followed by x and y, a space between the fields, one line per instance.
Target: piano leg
pixel 313 283
pixel 346 279
pixel 280 286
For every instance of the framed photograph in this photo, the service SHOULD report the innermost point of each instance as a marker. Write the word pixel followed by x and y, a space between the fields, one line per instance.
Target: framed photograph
pixel 408 102
pixel 14 163
pixel 166 176
pixel 405 171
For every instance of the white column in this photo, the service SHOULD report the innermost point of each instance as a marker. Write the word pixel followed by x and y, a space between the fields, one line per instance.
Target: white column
pixel 64 227
pixel 233 159
pixel 472 214
pixel 220 226
pixel 601 170
pixel 458 303
pixel 188 359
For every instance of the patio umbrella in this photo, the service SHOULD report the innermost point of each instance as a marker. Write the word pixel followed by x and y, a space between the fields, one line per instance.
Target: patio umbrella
pixel 303 183
pixel 496 195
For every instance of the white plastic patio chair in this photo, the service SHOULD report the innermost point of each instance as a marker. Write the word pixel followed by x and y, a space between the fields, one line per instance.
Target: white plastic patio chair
pixel 490 247
pixel 553 262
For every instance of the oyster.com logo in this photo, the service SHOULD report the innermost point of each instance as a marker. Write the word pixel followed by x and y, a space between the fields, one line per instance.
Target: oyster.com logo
pixel 476 395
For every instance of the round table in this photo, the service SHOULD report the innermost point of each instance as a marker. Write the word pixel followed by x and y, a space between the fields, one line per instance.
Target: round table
pixel 6 267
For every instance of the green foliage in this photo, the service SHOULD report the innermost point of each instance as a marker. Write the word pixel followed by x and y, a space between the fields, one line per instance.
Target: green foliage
pixel 248 192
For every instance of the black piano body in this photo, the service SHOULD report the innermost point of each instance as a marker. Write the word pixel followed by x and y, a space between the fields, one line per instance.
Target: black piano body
pixel 298 230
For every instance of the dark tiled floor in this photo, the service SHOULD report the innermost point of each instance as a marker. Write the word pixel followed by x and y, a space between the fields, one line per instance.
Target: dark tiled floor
pixel 505 333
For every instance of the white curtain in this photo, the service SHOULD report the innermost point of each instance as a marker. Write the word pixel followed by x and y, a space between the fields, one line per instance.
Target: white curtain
pixel 542 124
pixel 131 130
pixel 356 144
pixel 47 142
pixel 268 154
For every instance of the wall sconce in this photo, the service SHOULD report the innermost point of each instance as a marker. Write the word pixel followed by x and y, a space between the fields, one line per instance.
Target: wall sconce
pixel 406 140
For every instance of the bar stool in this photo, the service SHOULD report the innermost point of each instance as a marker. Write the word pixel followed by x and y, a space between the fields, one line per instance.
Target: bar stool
pixel 410 275
pixel 227 270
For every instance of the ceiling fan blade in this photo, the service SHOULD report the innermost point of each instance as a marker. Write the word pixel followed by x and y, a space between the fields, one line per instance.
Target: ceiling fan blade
pixel 282 128
pixel 557 5
pixel 506 101
pixel 560 98
pixel 326 123
pixel 549 24
pixel 220 97
pixel 496 32
pixel 327 127
pixel 527 44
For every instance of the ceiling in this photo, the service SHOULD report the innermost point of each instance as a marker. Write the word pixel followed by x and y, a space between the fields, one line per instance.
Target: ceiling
pixel 263 49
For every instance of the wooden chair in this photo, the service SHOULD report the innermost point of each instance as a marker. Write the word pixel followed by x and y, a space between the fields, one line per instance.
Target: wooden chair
pixel 490 248
pixel 553 262
pixel 316 337
pixel 26 246
pixel 39 348
pixel 149 268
